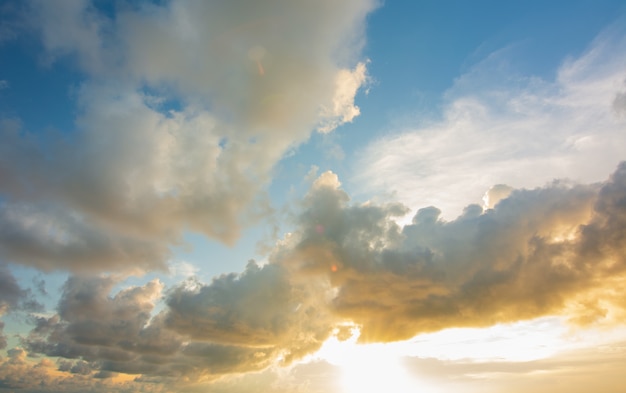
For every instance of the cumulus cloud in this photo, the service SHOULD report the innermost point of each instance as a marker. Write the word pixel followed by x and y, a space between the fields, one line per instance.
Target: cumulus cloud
pixel 13 298
pixel 501 127
pixel 554 250
pixel 495 194
pixel 537 252
pixel 19 373
pixel 105 331
pixel 235 324
pixel 263 308
pixel 343 109
pixel 184 109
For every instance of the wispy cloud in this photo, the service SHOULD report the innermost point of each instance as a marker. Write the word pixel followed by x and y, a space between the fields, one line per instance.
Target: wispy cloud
pixel 502 127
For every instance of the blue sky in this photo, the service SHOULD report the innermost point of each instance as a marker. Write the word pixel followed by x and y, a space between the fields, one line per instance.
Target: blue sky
pixel 201 196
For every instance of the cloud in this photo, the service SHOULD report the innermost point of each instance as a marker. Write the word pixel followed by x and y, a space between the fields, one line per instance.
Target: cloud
pixel 19 373
pixel 11 23
pixel 555 250
pixel 495 194
pixel 498 126
pixel 28 375
pixel 343 109
pixel 573 371
pixel 13 298
pixel 10 292
pixel 235 324
pixel 105 331
pixel 545 251
pixel 176 128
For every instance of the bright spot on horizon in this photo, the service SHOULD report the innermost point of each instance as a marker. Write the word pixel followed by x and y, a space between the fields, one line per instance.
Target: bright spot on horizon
pixel 369 368
pixel 380 367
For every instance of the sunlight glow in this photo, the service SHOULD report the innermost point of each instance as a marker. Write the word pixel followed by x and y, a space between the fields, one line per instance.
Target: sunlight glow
pixel 379 367
pixel 370 368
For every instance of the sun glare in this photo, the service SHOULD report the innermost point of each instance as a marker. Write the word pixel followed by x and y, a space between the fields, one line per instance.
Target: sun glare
pixel 369 368
pixel 379 367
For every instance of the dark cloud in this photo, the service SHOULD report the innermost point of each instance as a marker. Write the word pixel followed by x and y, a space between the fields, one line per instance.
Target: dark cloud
pixel 237 323
pixel 110 331
pixel 13 298
pixel 10 292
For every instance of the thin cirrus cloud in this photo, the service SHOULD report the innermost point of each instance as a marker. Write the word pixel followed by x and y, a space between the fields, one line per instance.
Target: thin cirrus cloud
pixel 501 127
pixel 177 128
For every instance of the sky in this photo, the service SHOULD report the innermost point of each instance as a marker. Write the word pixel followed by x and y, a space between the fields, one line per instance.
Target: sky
pixel 312 196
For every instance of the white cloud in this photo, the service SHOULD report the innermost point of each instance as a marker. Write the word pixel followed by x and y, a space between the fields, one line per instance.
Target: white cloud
pixel 182 269
pixel 343 110
pixel 502 127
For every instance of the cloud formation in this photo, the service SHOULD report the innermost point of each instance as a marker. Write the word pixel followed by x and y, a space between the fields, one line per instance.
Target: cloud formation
pixel 554 250
pixel 235 324
pixel 537 252
pixel 13 298
pixel 575 371
pixel 498 126
pixel 183 112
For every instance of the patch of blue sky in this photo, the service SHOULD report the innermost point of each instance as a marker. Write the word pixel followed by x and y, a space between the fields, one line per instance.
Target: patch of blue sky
pixel 38 94
pixel 418 49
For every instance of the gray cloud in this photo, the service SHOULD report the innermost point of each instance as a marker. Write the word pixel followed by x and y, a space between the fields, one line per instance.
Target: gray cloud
pixel 13 298
pixel 184 110
pixel 237 323
pixel 10 292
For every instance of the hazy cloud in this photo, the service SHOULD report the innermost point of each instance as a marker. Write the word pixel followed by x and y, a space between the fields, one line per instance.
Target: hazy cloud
pixel 184 111
pixel 13 298
pixel 573 371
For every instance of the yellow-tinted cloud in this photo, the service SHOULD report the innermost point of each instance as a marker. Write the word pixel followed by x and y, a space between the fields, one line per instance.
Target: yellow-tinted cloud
pixel 536 253
pixel 555 250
